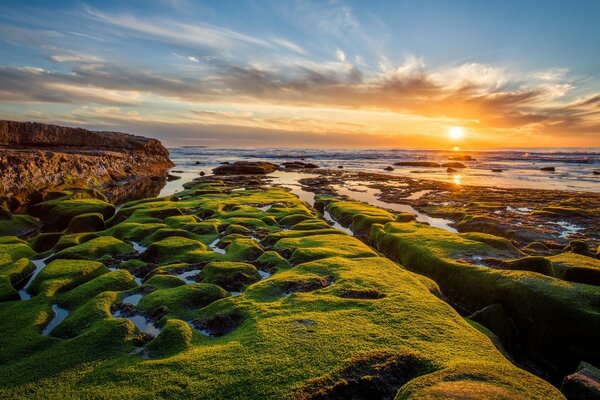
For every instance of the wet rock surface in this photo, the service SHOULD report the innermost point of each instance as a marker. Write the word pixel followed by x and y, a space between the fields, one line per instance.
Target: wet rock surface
pixel 35 155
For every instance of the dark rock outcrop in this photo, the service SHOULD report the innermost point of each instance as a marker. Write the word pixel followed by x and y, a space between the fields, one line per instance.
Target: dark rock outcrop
pixel 35 156
pixel 245 168
pixel 430 164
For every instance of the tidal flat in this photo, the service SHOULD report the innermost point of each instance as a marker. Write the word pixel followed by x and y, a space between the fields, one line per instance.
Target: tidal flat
pixel 301 285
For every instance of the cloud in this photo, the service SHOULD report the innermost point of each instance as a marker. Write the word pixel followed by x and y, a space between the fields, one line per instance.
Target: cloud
pixel 178 33
pixel 478 94
pixel 288 45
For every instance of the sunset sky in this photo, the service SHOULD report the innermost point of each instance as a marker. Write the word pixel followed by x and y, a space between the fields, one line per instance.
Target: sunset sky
pixel 309 73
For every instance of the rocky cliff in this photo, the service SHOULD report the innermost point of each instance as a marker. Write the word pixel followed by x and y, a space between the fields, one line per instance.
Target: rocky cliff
pixel 35 156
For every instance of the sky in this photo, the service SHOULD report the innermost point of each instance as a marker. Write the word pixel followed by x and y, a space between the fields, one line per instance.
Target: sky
pixel 325 74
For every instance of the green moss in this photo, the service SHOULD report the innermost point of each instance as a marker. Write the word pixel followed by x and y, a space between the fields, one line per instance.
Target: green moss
pixel 181 301
pixel 310 224
pixel 18 225
pixel 175 337
pixel 63 275
pixel 61 212
pixel 164 233
pixel 272 261
pixel 101 248
pixel 115 280
pixel 89 222
pixel 44 241
pixel 13 276
pixel 12 249
pixel 321 246
pixel 180 220
pixel 232 276
pixel 576 268
pixel 176 249
pixel 340 321
pixel 73 239
pixel 546 311
pixel 164 281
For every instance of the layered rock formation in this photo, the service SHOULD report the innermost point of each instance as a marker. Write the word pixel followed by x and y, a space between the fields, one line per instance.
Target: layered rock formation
pixel 35 155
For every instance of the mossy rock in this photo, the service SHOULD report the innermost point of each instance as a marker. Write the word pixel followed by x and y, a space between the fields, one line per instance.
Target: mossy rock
pixel 311 248
pixel 90 222
pixel 112 281
pixel 18 225
pixel 310 224
pixel 100 248
pixel 164 281
pixel 175 337
pixel 405 217
pixel 237 229
pixel 44 241
pixel 12 249
pixel 232 276
pixel 164 233
pixel 61 212
pixel 272 261
pixel 63 275
pixel 73 239
pixel 180 301
pixel 243 249
pixel 293 219
pixel 13 276
pixel 175 249
pixel 180 220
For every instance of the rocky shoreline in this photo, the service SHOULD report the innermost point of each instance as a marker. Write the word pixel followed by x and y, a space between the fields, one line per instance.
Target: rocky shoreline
pixel 240 274
pixel 41 157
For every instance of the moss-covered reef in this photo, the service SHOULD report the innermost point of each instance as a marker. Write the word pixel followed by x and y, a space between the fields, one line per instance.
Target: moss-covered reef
pixel 544 310
pixel 214 294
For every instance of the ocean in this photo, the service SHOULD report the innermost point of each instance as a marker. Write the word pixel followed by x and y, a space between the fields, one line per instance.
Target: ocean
pixel 574 169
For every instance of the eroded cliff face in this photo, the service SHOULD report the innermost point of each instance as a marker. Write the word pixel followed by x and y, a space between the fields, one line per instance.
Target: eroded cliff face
pixel 36 156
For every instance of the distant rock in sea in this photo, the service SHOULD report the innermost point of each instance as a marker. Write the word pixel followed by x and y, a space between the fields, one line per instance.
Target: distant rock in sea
pixel 417 164
pixel 245 168
pixel 36 156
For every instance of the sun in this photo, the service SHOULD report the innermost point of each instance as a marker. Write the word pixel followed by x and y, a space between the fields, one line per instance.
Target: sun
pixel 456 132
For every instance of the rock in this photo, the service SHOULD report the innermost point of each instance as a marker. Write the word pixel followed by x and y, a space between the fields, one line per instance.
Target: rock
pixel 596 172
pixel 454 165
pixel 417 164
pixel 35 155
pixel 583 384
pixel 245 168
pixel 299 165
pixel 197 163
pixel 495 319
pixel 89 222
pixel 388 168
pixel 341 166
pixel 548 169
pixel 202 173
pixel 450 170
pixel 579 247
pixel 497 170
pixel 462 158
pixel 172 177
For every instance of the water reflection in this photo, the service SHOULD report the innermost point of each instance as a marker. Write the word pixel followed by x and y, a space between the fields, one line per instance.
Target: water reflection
pixel 370 197
pixel 134 189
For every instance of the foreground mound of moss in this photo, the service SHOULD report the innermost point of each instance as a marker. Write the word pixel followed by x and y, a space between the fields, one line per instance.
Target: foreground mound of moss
pixel 545 314
pixel 320 314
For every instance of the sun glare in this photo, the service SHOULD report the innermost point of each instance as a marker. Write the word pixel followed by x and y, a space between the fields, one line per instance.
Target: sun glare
pixel 456 132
